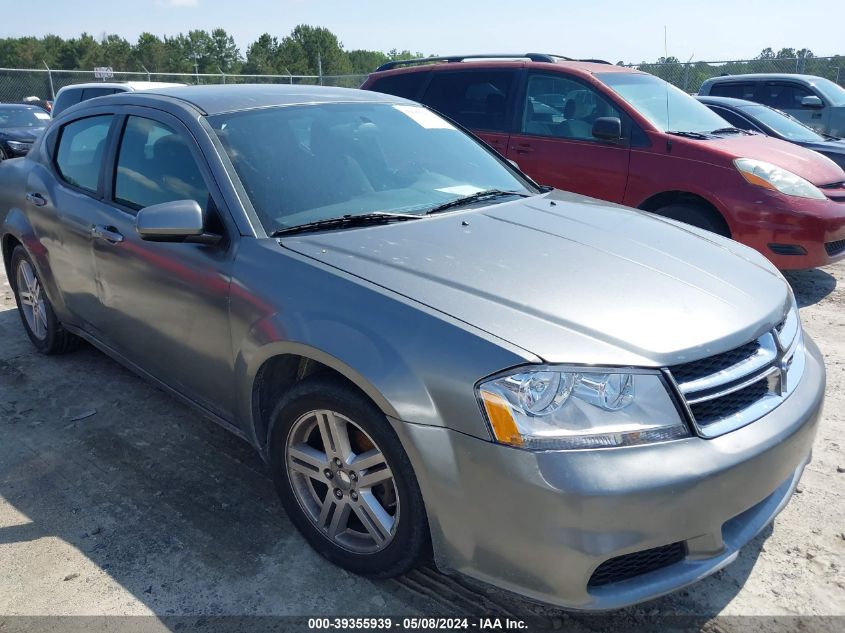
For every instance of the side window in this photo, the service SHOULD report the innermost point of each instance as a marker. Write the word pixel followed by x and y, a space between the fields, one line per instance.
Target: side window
pixel 405 85
pixel 66 99
pixel 562 108
pixel 784 96
pixel 81 146
pixel 734 119
pixel 475 99
pixel 735 90
pixel 90 93
pixel 154 165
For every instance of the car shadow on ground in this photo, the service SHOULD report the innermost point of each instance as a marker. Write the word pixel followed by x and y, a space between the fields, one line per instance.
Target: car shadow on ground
pixel 810 286
pixel 183 515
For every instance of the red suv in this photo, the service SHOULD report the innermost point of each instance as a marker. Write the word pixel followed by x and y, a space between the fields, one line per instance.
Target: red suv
pixel 626 136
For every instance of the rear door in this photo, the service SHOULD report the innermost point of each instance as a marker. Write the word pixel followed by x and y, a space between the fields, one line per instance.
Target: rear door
pixel 65 199
pixel 479 99
pixel 554 143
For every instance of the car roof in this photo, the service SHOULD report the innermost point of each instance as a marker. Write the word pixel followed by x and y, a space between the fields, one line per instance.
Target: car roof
pixel 491 61
pixel 731 102
pixel 765 77
pixel 216 99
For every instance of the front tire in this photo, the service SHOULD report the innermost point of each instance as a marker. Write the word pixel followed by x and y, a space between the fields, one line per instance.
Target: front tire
pixel 40 322
pixel 345 480
pixel 697 215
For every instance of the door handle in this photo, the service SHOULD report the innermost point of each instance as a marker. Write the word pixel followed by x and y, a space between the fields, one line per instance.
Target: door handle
pixel 36 198
pixel 107 233
pixel 523 148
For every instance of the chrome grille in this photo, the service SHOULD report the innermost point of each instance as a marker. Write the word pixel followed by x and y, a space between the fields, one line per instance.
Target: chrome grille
pixel 729 390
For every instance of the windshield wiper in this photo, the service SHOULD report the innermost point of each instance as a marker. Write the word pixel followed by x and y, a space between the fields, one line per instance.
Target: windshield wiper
pixel 487 194
pixel 688 134
pixel 346 221
pixel 730 130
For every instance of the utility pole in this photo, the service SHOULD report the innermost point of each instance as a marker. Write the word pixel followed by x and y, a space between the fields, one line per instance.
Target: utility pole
pixel 50 77
pixel 320 67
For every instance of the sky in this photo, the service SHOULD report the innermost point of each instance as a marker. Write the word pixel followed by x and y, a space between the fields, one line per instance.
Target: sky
pixel 614 30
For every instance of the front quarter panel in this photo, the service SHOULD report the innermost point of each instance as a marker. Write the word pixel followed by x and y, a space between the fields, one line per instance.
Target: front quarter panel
pixel 416 364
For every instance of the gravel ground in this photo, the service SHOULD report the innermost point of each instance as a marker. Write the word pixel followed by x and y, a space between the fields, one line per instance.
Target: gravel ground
pixel 117 500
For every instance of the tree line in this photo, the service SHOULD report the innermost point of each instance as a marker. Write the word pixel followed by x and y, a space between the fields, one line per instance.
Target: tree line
pixel 307 50
pixel 690 75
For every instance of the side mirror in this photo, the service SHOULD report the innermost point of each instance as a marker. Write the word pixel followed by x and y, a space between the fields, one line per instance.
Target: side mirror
pixel 607 128
pixel 170 221
pixel 813 102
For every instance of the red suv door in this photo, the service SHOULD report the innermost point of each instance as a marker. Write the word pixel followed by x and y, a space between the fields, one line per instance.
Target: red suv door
pixel 478 99
pixel 554 143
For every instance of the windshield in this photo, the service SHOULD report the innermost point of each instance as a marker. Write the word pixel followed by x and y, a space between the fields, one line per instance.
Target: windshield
pixel 23 117
pixel 783 124
pixel 666 107
pixel 302 164
pixel 834 93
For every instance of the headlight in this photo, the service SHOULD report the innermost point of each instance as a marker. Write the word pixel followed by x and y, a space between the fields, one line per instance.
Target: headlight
pixel 19 146
pixel 764 174
pixel 556 408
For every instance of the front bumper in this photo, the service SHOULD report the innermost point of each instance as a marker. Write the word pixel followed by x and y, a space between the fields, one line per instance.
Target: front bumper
pixel 540 523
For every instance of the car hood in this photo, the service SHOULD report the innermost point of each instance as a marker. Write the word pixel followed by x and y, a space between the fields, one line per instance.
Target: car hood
pixel 26 134
pixel 569 278
pixel 799 160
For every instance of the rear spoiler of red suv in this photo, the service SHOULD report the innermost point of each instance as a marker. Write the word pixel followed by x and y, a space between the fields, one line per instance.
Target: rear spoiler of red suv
pixel 534 57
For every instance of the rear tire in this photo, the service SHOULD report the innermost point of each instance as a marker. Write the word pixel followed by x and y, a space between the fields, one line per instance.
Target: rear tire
pixel 697 215
pixel 40 322
pixel 369 520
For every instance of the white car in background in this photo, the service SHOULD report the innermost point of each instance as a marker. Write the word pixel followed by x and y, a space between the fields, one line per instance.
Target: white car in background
pixel 73 94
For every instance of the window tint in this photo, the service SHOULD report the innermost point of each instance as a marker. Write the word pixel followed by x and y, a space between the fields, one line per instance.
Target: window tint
pixel 90 93
pixel 66 99
pixel 562 108
pixel 80 151
pixel 735 90
pixel 784 96
pixel 405 85
pixel 155 165
pixel 734 119
pixel 474 99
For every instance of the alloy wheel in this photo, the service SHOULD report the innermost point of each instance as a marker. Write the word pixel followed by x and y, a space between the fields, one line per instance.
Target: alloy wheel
pixel 342 481
pixel 33 302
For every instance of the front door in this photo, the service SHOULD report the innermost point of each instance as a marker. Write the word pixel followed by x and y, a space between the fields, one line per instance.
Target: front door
pixel 787 96
pixel 164 305
pixel 555 145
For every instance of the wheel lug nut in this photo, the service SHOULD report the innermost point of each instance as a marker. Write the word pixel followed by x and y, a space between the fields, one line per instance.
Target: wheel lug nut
pixel 354 495
pixel 338 493
pixel 337 462
pixel 353 476
pixel 328 473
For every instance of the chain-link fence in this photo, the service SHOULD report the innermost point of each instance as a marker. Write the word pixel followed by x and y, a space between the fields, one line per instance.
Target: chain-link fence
pixel 17 84
pixel 690 75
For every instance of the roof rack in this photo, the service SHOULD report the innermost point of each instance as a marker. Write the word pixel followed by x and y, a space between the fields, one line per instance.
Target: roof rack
pixel 534 57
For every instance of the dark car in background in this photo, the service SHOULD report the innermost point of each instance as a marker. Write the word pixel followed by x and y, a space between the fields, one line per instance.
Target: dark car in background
pixel 20 125
pixel 815 101
pixel 755 117
pixel 626 136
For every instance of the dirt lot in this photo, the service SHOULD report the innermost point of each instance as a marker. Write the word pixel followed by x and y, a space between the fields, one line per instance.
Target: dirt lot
pixel 117 500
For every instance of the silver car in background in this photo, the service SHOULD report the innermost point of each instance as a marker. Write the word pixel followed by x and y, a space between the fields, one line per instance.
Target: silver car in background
pixel 573 400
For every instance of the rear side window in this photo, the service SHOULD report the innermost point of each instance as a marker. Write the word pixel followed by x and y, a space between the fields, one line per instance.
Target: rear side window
pixel 80 150
pixel 405 85
pixel 155 165
pixel 735 90
pixel 90 93
pixel 475 99
pixel 66 99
